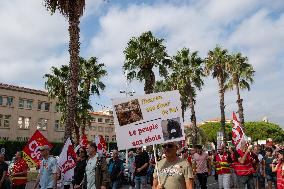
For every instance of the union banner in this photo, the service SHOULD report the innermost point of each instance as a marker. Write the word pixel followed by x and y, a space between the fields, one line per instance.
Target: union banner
pixel 31 152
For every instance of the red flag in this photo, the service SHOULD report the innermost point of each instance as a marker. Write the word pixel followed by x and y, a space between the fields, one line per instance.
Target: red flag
pixel 238 134
pixel 84 141
pixel 101 144
pixel 31 153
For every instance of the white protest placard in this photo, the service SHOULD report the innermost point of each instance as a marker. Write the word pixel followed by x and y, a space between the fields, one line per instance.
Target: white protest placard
pixel 149 119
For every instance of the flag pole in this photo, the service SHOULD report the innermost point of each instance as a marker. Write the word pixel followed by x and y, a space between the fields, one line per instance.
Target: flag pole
pixel 156 162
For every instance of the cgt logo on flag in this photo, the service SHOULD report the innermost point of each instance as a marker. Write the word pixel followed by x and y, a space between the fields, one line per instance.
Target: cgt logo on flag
pixel 70 160
pixel 101 144
pixel 237 132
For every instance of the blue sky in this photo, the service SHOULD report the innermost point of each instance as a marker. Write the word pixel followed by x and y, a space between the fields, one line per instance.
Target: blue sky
pixel 32 41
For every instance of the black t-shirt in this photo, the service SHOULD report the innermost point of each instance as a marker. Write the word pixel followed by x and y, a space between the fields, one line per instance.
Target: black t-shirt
pixel 3 167
pixel 140 160
pixel 79 171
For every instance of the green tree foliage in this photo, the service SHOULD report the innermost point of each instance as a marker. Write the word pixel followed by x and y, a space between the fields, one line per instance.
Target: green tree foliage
pixel 211 129
pixel 255 130
pixel 90 83
pixel 142 55
pixel 241 77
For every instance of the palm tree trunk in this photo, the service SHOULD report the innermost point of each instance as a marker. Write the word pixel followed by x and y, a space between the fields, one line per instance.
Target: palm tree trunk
pixel 149 83
pixel 222 106
pixel 240 105
pixel 77 135
pixel 74 47
pixel 193 120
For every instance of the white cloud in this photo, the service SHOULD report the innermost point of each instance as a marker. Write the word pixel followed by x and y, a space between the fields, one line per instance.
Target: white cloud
pixel 242 25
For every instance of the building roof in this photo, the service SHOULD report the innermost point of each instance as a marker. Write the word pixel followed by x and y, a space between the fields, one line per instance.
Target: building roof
pixel 101 113
pixel 22 89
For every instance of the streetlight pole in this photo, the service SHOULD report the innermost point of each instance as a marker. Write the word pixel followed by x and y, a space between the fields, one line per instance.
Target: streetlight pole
pixel 127 94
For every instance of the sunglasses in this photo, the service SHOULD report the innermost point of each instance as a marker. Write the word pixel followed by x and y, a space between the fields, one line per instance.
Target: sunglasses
pixel 168 146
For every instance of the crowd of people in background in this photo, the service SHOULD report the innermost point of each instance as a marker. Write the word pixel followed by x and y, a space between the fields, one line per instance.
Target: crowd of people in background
pixel 251 167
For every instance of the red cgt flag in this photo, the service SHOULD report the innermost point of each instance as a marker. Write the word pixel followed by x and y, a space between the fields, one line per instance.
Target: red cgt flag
pixel 238 134
pixel 31 153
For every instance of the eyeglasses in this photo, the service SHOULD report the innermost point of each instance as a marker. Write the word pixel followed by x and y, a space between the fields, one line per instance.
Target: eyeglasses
pixel 168 146
pixel 81 151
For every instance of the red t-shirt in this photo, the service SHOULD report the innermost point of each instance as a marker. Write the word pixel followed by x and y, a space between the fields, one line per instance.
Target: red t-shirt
pixel 19 166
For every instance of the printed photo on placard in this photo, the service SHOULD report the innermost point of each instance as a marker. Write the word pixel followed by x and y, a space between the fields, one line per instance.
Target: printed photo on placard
pixel 171 128
pixel 128 112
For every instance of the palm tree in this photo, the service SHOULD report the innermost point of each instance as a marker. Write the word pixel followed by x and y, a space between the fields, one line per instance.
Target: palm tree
pixel 91 74
pixel 188 71
pixel 72 10
pixel 241 76
pixel 142 55
pixel 215 64
pixel 89 83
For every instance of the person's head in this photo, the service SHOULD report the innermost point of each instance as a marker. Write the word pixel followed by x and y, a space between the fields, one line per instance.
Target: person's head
pixel 18 155
pixel 269 152
pixel 2 157
pixel 170 149
pixel 115 154
pixel 139 150
pixel 82 153
pixel 198 149
pixel 130 154
pixel 44 150
pixel 281 155
pixel 92 149
pixel 192 151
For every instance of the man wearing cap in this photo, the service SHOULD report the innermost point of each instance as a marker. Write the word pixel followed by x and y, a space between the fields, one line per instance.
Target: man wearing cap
pixel 47 176
pixel 19 172
pixel 173 171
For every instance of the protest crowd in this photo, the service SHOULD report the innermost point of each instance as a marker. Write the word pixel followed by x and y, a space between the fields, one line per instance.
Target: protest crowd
pixel 252 167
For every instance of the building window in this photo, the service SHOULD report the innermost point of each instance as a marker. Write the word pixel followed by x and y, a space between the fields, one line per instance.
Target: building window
pixel 113 138
pixel 39 105
pixel 6 120
pixel 42 124
pixel 107 120
pixel 27 122
pixel 100 120
pixel 10 100
pixel 20 122
pixel 29 104
pixel 101 129
pixel 94 119
pixel 95 128
pixel 1 100
pixel 107 138
pixel 46 106
pixel 58 126
pixel 21 103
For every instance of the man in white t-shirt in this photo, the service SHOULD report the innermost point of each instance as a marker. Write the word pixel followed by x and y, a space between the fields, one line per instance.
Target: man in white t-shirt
pixel 203 168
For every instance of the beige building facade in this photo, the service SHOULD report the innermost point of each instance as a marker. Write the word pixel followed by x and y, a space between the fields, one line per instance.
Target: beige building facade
pixel 102 124
pixel 23 111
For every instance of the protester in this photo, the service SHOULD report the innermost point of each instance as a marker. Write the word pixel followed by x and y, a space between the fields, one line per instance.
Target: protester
pixel 243 166
pixel 223 169
pixel 203 169
pixel 47 177
pixel 174 172
pixel 115 169
pixel 234 180
pixel 79 170
pixel 4 182
pixel 19 172
pixel 269 175
pixel 279 169
pixel 131 168
pixel 97 176
pixel 259 180
pixel 141 167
